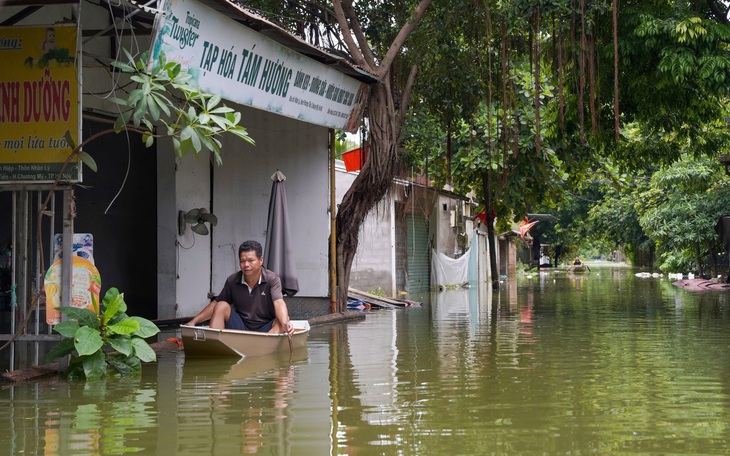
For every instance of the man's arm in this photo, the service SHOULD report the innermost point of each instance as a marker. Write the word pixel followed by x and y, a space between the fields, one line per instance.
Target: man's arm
pixel 204 314
pixel 282 314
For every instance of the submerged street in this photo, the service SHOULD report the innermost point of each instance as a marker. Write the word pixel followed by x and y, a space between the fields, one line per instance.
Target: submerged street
pixel 554 363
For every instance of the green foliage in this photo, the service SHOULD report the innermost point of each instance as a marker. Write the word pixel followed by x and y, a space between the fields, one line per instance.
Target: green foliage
pixel 674 62
pixel 613 216
pixel 92 337
pixel 344 143
pixel 377 291
pixel 680 208
pixel 473 118
pixel 194 123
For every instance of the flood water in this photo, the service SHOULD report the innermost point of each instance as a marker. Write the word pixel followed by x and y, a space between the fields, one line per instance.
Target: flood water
pixel 600 363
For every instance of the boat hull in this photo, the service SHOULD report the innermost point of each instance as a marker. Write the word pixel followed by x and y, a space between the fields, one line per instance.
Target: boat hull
pixel 205 341
pixel 577 268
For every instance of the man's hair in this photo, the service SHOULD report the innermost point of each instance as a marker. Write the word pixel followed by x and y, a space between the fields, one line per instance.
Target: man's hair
pixel 248 246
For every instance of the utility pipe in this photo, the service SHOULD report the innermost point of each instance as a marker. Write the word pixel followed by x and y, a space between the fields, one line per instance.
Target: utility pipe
pixel 333 226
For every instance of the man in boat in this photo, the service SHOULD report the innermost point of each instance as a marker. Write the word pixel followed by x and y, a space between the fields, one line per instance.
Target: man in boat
pixel 251 299
pixel 577 263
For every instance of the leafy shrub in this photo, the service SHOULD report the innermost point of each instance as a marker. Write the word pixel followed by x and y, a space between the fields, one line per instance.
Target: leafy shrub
pixel 103 341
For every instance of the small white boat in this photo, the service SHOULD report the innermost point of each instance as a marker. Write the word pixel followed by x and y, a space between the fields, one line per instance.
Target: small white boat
pixel 577 268
pixel 205 341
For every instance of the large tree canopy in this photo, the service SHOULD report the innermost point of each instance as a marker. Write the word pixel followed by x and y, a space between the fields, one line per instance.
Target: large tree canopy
pixel 521 101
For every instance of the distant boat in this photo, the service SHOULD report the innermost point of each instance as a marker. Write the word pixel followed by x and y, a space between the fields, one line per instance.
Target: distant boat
pixel 577 268
pixel 205 341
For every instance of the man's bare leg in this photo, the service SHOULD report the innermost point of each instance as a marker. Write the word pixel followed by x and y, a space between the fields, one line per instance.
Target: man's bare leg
pixel 221 314
pixel 275 328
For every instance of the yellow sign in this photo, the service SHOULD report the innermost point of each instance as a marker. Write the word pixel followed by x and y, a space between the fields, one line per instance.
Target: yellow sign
pixel 39 102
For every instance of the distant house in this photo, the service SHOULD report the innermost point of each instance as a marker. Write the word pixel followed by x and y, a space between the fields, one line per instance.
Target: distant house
pixel 399 235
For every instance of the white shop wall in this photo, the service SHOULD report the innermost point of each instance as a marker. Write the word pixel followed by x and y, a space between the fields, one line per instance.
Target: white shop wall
pixel 240 200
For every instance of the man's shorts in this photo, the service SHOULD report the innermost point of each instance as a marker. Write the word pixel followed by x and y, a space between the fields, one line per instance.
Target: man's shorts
pixel 236 322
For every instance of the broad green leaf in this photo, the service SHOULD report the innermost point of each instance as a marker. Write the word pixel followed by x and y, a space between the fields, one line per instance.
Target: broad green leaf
pixel 121 344
pixel 147 123
pixel 162 102
pixel 176 146
pixel 122 365
pixel 95 303
pixel 118 101
pixel 113 304
pixel 69 140
pixel 195 138
pixel 132 362
pixel 161 58
pixel 213 102
pixel 128 55
pixel 186 133
pixel 134 97
pixel 119 124
pixel 117 318
pixel 243 135
pixel 75 370
pixel 221 110
pixel 67 328
pixel 127 326
pixel 110 295
pixel 94 366
pixel 87 341
pixel 220 121
pixel 88 160
pixel 140 110
pixel 143 351
pixel 61 349
pixel 154 108
pixel 85 317
pixel 205 141
pixel 146 328
pixel 122 66
pixel 218 159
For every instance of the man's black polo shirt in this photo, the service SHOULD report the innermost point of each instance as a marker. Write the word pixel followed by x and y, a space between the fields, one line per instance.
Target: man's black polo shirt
pixel 257 307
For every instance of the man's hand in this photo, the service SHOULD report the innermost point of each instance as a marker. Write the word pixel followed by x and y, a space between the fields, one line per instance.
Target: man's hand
pixel 288 327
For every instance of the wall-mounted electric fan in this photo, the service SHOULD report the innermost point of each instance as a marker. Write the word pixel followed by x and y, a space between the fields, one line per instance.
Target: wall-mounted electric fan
pixel 196 218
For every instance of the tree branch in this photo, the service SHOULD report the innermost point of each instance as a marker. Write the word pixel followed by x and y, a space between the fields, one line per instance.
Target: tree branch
pixel 357 53
pixel 359 34
pixel 400 39
pixel 405 100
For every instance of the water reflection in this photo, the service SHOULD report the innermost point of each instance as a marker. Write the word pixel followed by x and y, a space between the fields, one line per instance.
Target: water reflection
pixel 235 408
pixel 606 363
pixel 55 417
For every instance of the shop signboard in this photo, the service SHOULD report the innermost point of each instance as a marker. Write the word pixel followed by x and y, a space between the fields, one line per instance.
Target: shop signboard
pixel 246 67
pixel 39 103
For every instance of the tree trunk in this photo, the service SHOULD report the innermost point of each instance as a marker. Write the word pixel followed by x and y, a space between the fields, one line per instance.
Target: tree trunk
pixel 488 196
pixel 369 187
pixel 698 254
pixel 492 251
pixel 558 254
